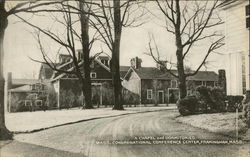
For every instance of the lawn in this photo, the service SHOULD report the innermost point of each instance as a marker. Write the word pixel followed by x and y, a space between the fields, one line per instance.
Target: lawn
pixel 222 123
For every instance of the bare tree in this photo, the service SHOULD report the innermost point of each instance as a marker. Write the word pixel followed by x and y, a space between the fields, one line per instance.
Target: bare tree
pixel 79 64
pixel 189 22
pixel 26 7
pixel 116 14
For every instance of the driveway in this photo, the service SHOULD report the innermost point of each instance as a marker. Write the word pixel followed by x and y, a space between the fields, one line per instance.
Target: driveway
pixel 107 138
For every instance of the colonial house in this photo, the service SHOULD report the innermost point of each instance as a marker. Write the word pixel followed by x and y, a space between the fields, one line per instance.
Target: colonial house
pixel 153 85
pixel 141 85
pixel 68 88
pixel 24 94
pixel 237 18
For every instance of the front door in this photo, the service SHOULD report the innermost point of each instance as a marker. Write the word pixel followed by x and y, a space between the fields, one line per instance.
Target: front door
pixel 160 97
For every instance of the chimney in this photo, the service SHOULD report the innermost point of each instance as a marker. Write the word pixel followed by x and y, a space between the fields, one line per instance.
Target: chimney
pixel 222 82
pixel 79 55
pixel 136 62
pixel 9 80
pixel 7 86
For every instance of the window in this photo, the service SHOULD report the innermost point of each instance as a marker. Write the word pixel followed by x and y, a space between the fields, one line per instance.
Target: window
pixel 247 16
pixel 247 10
pixel 28 103
pixel 174 84
pixel 198 83
pixel 149 93
pixel 216 84
pixel 92 75
pixel 33 87
pixel 39 102
pixel 204 83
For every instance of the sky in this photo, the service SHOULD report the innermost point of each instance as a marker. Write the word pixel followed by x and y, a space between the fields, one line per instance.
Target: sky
pixel 20 44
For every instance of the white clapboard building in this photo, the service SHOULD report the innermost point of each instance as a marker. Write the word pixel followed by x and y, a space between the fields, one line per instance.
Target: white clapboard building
pixel 237 45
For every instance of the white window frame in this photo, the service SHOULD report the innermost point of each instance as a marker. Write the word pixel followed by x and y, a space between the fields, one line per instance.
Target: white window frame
pixel 204 83
pixel 149 91
pixel 175 82
pixel 93 75
pixel 28 103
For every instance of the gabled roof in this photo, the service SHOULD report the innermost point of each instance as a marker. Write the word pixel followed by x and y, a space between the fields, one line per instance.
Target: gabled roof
pixel 48 72
pixel 25 81
pixel 154 73
pixel 80 63
pixel 151 73
pixel 204 76
pixel 123 70
pixel 25 88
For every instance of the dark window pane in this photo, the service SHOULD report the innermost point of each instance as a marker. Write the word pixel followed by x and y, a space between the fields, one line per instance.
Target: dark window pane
pixel 247 22
pixel 247 10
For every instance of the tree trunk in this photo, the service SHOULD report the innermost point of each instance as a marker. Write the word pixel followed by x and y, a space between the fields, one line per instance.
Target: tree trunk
pixel 115 61
pixel 179 53
pixel 4 132
pixel 86 60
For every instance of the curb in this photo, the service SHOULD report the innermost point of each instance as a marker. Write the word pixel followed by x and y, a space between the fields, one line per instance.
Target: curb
pixel 83 120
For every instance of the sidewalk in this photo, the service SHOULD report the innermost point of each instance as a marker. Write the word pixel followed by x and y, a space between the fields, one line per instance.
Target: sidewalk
pixel 26 122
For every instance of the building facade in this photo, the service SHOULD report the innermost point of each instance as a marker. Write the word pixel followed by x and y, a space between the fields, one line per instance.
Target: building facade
pixel 237 46
pixel 155 86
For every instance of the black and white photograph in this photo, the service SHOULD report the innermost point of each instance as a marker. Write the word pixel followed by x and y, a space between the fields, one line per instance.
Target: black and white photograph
pixel 124 78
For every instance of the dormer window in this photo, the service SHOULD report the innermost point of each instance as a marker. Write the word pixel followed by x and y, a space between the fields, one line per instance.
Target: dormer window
pixel 92 75
pixel 105 62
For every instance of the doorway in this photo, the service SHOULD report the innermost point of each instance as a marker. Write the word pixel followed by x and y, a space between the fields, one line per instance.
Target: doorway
pixel 160 97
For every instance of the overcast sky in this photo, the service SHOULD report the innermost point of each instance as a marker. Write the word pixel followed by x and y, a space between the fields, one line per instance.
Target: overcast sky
pixel 20 45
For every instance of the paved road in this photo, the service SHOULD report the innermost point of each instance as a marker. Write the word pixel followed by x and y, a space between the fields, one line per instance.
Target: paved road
pixel 82 138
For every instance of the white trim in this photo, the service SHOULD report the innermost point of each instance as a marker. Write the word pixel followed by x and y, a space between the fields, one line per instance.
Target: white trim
pixel 133 71
pixel 103 65
pixel 25 103
pixel 101 79
pixel 149 90
pixel 58 94
pixel 161 91
pixel 204 83
pixel 172 84
pixel 93 75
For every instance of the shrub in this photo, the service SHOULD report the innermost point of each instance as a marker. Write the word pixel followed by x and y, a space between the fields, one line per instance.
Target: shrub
pixel 67 99
pixel 233 101
pixel 187 105
pixel 218 97
pixel 52 98
pixel 21 107
pixel 204 97
pixel 246 114
pixel 211 99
